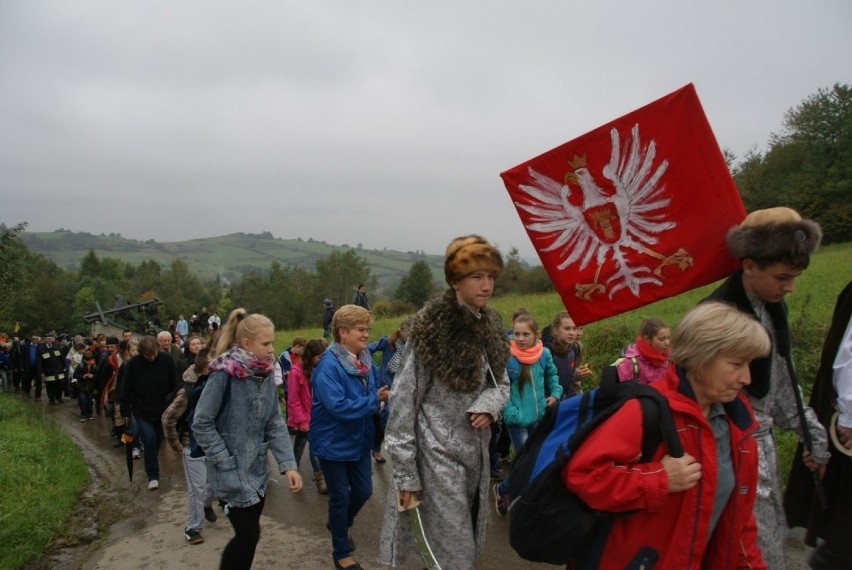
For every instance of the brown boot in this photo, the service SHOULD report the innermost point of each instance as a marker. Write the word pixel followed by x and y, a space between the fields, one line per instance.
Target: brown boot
pixel 320 481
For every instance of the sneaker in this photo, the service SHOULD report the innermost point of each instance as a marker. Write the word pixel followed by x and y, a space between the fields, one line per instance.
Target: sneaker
pixel 501 502
pixel 82 420
pixel 192 536
pixel 90 418
pixel 135 453
pixel 154 484
pixel 210 514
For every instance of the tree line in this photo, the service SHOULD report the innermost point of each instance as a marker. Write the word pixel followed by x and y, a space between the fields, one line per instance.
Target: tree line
pixel 807 166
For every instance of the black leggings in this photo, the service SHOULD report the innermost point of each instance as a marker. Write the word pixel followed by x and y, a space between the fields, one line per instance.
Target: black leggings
pixel 239 553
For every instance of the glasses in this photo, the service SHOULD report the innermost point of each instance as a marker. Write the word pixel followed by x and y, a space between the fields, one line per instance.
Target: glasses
pixel 362 330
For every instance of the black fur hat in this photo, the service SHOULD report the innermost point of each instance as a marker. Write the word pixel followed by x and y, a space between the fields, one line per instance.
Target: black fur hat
pixel 775 235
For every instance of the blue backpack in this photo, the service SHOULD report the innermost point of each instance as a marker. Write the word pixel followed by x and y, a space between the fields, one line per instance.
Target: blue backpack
pixel 548 522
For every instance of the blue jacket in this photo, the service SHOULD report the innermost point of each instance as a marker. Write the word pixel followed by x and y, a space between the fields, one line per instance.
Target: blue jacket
pixel 342 411
pixel 384 345
pixel 524 409
pixel 237 436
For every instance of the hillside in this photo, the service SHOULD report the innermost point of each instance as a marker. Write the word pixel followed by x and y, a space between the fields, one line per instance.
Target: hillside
pixel 227 256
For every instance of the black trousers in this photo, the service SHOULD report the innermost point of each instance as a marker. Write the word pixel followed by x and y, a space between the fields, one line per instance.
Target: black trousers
pixel 31 376
pixel 239 553
pixel 53 389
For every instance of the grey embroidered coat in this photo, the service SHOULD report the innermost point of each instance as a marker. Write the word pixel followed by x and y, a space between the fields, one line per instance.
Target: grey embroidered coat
pixel 436 452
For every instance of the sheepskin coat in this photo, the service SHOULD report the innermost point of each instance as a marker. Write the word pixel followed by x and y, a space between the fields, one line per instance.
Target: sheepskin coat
pixel 429 437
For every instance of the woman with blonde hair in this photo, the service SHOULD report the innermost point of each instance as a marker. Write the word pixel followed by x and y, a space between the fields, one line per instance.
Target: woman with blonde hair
pixel 693 511
pixel 237 421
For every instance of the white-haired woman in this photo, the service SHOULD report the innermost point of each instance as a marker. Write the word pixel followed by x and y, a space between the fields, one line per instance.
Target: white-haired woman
pixel 694 511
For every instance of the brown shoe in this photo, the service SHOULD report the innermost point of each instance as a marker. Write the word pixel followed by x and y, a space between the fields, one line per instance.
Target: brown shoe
pixel 322 489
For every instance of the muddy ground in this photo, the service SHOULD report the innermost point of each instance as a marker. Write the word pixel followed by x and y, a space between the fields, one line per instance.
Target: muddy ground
pixel 121 524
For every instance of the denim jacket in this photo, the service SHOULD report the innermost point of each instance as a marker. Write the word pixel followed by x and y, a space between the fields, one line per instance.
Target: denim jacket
pixel 236 437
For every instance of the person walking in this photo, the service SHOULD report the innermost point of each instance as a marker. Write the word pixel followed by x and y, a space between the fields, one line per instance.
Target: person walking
pixel 51 368
pixel 774 246
pixel 345 398
pixel 299 403
pixel 176 428
pixel 452 387
pixel 328 314
pixel 149 378
pixel 694 511
pixel 237 421
pixel 829 529
pixel 647 359
pixel 360 297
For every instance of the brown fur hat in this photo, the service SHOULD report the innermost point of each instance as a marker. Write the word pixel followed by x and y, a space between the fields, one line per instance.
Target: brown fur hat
pixel 468 254
pixel 775 235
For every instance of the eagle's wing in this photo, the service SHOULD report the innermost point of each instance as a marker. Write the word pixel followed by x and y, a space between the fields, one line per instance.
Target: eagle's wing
pixel 561 224
pixel 639 195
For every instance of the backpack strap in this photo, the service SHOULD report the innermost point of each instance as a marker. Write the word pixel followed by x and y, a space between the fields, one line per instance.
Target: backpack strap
pixel 658 426
pixel 634 368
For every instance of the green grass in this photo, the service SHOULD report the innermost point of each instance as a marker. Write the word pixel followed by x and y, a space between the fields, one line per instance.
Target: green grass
pixel 41 476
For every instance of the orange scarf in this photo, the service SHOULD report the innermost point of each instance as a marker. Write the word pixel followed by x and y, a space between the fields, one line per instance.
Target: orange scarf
pixel 526 355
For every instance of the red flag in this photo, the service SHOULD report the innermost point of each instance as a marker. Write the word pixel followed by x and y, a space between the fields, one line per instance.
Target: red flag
pixel 632 212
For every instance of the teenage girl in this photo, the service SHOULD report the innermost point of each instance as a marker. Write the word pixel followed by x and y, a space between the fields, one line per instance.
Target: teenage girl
pixel 647 359
pixel 299 404
pixel 531 372
pixel 237 421
pixel 564 350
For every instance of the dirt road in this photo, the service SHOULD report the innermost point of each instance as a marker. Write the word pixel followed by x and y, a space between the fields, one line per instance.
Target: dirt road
pixel 147 531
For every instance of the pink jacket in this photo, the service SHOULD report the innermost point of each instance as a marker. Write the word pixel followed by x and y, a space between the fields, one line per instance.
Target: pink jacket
pixel 648 372
pixel 298 399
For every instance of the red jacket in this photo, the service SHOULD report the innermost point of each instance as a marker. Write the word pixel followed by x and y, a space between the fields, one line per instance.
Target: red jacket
pixel 298 398
pixel 604 472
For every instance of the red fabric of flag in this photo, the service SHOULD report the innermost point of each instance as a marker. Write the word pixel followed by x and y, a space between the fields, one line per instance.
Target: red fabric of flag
pixel 632 212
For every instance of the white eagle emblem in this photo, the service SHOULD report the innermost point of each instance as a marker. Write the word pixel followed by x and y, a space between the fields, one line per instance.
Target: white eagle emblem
pixel 607 223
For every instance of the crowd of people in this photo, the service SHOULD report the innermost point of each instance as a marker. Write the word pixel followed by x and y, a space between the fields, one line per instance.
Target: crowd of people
pixel 451 392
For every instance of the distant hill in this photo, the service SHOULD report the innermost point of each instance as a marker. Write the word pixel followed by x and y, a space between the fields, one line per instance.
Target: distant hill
pixel 228 256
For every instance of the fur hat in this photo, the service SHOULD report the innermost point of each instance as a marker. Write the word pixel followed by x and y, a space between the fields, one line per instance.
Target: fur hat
pixel 468 254
pixel 775 235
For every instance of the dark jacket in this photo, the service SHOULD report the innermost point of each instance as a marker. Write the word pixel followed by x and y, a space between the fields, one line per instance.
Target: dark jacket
pixel 800 503
pixel 51 362
pixel 146 386
pixel 85 384
pixel 733 292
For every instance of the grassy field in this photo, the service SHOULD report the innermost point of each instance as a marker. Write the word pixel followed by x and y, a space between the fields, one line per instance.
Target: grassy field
pixel 41 477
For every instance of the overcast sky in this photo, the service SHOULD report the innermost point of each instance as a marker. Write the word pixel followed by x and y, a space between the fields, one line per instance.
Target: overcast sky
pixel 381 122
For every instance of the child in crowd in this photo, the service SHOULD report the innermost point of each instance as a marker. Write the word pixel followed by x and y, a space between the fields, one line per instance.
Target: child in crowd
pixel 287 358
pixel 392 347
pixel 84 379
pixel 565 349
pixel 647 359
pixel 535 385
pixel 236 417
pixel 299 405
pixel 177 429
